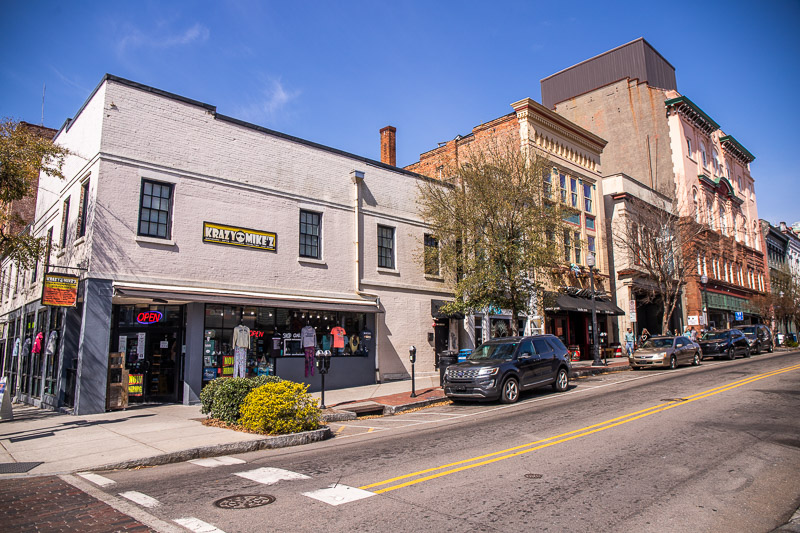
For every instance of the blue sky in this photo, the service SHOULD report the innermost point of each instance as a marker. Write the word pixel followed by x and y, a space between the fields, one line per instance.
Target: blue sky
pixel 337 72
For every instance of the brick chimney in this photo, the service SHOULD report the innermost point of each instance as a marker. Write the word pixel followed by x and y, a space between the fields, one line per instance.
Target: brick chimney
pixel 388 146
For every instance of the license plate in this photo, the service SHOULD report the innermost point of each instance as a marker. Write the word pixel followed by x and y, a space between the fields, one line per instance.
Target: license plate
pixel 461 389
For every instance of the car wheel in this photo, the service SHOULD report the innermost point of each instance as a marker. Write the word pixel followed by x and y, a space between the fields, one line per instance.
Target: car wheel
pixel 731 353
pixel 673 363
pixel 771 348
pixel 747 352
pixel 562 380
pixel 636 368
pixel 758 348
pixel 696 360
pixel 510 392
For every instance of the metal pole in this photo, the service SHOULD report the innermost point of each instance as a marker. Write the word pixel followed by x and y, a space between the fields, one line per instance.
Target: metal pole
pixel 595 347
pixel 413 392
pixel 323 392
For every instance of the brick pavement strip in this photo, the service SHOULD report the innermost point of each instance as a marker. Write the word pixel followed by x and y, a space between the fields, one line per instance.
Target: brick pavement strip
pixel 45 504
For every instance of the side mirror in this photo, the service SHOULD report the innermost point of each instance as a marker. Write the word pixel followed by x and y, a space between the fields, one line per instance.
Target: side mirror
pixel 525 355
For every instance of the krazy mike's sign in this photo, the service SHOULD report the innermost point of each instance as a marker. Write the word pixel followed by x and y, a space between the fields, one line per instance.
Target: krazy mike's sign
pixel 60 290
pixel 234 236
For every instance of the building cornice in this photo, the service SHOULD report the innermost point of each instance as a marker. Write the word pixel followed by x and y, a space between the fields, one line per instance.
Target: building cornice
pixel 683 106
pixel 734 148
pixel 529 109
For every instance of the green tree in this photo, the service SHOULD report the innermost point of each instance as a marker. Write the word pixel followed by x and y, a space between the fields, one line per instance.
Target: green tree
pixel 24 154
pixel 495 225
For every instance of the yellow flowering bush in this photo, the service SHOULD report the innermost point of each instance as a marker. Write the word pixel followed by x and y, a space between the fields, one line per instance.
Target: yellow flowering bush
pixel 280 408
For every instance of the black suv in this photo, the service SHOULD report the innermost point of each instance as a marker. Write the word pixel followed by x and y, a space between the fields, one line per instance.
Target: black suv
pixel 501 368
pixel 724 343
pixel 759 337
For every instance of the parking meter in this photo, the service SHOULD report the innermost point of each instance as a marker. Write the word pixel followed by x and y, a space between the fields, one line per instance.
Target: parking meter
pixel 323 363
pixel 412 354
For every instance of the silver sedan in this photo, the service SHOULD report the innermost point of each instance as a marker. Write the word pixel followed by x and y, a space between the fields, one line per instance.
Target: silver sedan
pixel 665 352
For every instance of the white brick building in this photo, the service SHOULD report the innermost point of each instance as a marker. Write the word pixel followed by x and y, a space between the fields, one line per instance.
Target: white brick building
pixel 148 170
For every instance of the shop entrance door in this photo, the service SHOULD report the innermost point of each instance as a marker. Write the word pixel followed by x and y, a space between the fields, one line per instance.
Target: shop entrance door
pixel 154 361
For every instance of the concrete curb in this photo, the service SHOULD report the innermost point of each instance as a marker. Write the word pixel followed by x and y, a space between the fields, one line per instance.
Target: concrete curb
pixel 394 409
pixel 339 416
pixel 595 370
pixel 278 441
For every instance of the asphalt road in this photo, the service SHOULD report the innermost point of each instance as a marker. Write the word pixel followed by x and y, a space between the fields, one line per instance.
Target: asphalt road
pixel 709 448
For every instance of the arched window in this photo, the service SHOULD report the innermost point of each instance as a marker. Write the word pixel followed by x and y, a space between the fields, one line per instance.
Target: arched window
pixel 723 223
pixel 756 240
pixel 735 227
pixel 703 154
pixel 710 212
pixel 696 206
pixel 746 231
pixel 715 156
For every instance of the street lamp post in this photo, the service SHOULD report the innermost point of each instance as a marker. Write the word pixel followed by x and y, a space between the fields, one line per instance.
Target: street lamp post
pixel 595 347
pixel 704 281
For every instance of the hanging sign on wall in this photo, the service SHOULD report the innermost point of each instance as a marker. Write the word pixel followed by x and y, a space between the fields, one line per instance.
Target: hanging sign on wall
pixel 235 236
pixel 60 290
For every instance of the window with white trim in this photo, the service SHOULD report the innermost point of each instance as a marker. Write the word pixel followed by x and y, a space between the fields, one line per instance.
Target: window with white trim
pixel 310 234
pixel 155 209
pixel 385 247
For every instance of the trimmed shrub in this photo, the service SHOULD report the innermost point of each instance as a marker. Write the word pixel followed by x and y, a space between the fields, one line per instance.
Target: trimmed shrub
pixel 207 395
pixel 263 380
pixel 280 408
pixel 229 396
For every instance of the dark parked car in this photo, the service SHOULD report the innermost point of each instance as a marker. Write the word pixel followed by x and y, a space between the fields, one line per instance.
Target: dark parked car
pixel 724 343
pixel 665 352
pixel 502 368
pixel 759 337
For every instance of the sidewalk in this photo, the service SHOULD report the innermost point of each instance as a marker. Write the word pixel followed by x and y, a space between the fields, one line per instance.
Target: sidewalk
pixel 39 442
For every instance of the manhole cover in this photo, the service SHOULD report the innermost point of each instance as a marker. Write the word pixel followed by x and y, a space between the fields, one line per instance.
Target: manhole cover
pixel 17 468
pixel 244 501
pixel 533 476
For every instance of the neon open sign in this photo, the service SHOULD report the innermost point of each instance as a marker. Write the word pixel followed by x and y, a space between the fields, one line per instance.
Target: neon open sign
pixel 149 317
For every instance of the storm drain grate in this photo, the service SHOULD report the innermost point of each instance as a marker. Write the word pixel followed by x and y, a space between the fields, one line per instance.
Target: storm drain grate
pixel 533 476
pixel 244 501
pixel 17 468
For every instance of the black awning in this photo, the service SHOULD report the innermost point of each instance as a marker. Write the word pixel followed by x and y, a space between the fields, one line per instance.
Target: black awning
pixel 564 302
pixel 609 308
pixel 435 313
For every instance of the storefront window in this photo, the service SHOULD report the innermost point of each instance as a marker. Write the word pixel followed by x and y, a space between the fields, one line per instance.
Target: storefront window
pixel 478 330
pixel 278 333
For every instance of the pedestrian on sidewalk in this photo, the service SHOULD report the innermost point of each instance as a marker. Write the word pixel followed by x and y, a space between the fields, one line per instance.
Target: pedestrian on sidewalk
pixel 629 339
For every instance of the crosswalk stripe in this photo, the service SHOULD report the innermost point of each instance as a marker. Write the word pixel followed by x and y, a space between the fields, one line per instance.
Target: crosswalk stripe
pixel 339 494
pixel 142 499
pixel 270 476
pixel 96 479
pixel 213 462
pixel 196 525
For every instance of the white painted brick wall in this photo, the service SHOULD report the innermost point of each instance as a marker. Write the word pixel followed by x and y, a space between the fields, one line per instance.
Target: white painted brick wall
pixel 230 174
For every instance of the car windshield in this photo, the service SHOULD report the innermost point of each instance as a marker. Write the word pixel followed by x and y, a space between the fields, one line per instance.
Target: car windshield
pixel 658 343
pixel 716 336
pixel 749 332
pixel 503 350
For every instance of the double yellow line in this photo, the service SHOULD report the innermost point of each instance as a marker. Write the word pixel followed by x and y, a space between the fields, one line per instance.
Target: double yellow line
pixel 474 462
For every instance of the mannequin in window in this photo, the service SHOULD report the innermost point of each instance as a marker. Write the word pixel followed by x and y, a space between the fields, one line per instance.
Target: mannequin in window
pixel 309 338
pixel 241 343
